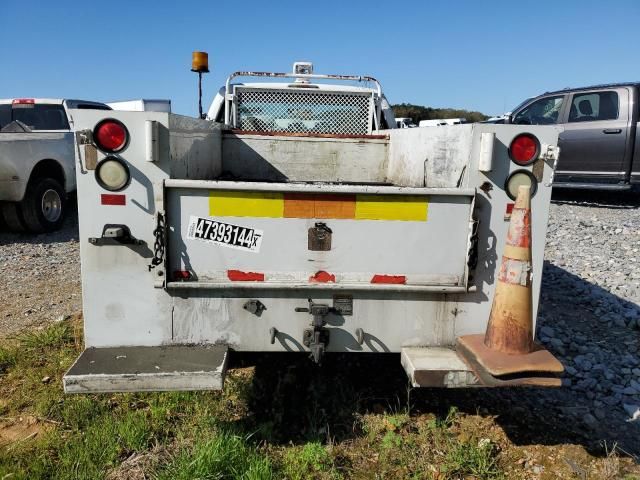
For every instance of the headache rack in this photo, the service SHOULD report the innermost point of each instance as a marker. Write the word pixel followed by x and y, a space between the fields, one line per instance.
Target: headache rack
pixel 302 107
pixel 335 113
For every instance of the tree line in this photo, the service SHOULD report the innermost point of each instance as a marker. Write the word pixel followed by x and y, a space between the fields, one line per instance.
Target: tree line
pixel 418 112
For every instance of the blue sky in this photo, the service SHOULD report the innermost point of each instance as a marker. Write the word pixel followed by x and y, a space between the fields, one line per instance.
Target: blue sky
pixel 480 55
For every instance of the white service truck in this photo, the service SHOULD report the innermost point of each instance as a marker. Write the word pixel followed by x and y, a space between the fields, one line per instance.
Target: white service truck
pixel 37 160
pixel 294 219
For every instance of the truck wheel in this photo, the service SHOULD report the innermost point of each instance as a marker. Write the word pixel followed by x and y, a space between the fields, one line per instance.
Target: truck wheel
pixel 43 206
pixel 11 216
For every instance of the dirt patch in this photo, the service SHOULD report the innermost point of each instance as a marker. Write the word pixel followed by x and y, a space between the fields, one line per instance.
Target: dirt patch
pixel 15 430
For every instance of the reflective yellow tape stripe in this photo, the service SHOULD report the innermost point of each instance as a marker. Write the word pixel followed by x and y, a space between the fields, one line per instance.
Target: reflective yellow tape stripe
pixel 223 203
pixel 392 207
pixel 231 203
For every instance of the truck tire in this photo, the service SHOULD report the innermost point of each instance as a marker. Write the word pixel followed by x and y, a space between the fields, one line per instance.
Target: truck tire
pixel 43 207
pixel 11 216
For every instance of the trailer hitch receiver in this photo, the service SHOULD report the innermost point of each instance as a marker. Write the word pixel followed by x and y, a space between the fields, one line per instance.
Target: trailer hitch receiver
pixel 316 338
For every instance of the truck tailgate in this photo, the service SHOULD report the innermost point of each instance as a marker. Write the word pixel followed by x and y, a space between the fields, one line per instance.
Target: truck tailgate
pixel 225 234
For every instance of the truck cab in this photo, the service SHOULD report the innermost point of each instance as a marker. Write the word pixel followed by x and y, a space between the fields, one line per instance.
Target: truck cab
pixel 598 144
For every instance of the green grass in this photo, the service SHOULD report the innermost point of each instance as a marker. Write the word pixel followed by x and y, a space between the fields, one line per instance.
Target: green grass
pixel 271 422
pixel 224 455
pixel 312 460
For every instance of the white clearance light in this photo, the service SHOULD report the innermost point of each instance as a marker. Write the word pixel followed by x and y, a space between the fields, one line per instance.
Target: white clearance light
pixel 518 178
pixel 112 174
pixel 487 140
pixel 152 147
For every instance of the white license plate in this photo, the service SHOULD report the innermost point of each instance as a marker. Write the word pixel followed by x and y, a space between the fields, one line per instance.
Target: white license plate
pixel 224 234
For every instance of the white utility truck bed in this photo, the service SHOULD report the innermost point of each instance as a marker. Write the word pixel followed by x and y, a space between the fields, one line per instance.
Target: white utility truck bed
pixel 203 237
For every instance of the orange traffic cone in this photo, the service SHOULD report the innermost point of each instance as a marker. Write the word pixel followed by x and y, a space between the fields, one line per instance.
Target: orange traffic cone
pixel 507 347
pixel 510 328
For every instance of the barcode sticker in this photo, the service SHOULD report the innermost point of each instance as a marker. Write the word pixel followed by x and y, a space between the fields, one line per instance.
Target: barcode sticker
pixel 224 234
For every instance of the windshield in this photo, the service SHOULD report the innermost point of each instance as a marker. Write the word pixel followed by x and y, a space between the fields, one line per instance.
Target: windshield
pixel 36 117
pixel 544 111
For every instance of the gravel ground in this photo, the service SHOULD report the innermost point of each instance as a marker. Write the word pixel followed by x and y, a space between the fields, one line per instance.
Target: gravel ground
pixel 39 277
pixel 589 315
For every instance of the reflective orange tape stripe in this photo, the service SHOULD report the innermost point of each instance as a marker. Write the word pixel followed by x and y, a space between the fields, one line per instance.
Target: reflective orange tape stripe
pixel 301 205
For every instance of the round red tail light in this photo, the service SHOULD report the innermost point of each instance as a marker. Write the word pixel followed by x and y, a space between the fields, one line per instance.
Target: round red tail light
pixel 111 135
pixel 524 149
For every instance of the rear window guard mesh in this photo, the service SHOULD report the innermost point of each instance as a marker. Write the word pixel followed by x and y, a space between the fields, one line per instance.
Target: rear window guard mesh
pixel 335 113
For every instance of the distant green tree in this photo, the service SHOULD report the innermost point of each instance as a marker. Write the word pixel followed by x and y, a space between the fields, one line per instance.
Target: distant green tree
pixel 418 112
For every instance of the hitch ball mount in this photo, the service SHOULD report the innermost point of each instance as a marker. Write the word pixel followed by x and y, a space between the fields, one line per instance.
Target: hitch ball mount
pixel 317 337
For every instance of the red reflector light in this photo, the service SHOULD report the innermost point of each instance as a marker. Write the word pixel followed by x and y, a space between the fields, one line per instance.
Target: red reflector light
pixel 182 275
pixel 23 101
pixel 524 149
pixel 112 199
pixel 391 279
pixel 111 135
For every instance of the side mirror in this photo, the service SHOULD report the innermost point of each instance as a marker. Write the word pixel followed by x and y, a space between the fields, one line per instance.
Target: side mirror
pixel 508 118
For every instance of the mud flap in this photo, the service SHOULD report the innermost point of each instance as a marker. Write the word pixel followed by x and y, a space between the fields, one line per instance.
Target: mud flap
pixel 134 369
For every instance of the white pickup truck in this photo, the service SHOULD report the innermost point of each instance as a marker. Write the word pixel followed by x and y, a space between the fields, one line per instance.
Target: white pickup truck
pixel 37 160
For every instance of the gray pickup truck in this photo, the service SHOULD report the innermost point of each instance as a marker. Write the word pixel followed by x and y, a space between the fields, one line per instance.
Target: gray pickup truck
pixel 600 144
pixel 37 161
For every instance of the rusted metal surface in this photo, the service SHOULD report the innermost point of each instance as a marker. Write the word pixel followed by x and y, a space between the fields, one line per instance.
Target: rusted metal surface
pixel 237 131
pixel 319 238
pixel 497 364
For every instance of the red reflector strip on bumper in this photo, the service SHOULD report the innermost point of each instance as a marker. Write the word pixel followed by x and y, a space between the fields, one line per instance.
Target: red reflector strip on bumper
pixel 113 199
pixel 182 275
pixel 240 276
pixel 322 277
pixel 393 279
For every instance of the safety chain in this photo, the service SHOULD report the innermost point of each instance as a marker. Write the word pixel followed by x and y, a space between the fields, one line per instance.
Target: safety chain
pixel 158 246
pixel 472 262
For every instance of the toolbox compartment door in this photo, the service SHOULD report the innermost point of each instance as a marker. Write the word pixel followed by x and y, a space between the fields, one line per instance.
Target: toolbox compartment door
pixel 225 234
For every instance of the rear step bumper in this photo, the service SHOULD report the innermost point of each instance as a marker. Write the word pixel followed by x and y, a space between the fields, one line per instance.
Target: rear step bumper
pixel 129 369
